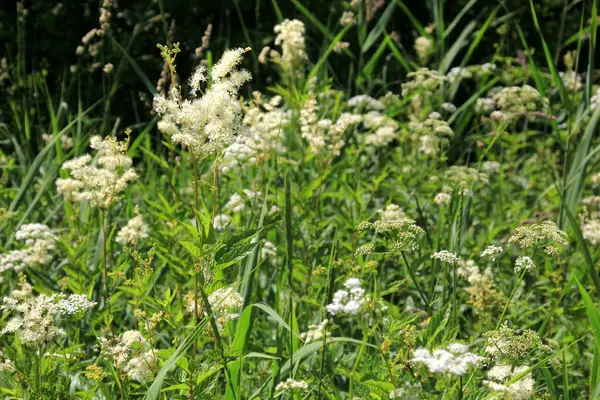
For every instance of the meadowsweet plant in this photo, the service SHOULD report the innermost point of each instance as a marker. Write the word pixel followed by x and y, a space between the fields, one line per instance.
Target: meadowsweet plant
pixel 380 200
pixel 209 123
pixel 101 179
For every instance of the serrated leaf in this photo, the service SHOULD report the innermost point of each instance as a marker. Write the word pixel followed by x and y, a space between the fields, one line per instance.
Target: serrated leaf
pixel 191 248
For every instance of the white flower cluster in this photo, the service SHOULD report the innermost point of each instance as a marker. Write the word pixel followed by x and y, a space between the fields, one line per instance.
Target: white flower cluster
pixel 347 301
pixel 265 122
pixel 347 18
pixel 392 212
pixel 39 241
pixel 442 198
pixel 208 124
pixel 432 132
pixel 571 81
pixel 423 47
pixel 517 101
pixel 524 263
pixel 490 166
pixel 236 203
pixel 290 36
pixel 65 141
pixel 221 222
pixel 499 375
pixel 222 301
pixel 135 231
pixel 35 315
pixel 363 102
pixel 324 134
pixel 531 235
pixel 268 251
pixel 131 354
pixel 492 252
pixel 290 385
pixel 454 360
pixel 384 129
pixel 315 332
pixel 99 180
pixel 445 256
pixel 591 231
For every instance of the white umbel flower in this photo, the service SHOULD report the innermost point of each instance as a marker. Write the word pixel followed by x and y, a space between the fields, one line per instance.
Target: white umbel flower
pixel 445 256
pixel 492 252
pixel 141 368
pixel 291 385
pixel 591 231
pixel 223 302
pixel 442 198
pixel 524 263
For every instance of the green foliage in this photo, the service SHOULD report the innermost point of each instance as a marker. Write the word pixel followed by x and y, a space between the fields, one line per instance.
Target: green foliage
pixel 334 247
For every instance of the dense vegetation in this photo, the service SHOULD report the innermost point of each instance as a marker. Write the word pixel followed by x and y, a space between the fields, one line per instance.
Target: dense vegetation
pixel 300 199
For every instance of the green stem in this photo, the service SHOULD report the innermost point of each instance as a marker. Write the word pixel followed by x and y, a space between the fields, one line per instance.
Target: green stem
pixel 510 298
pixel 414 279
pixel 104 264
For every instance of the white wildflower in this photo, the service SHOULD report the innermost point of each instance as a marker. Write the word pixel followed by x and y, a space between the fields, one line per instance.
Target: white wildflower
pixel 291 385
pixel 445 256
pixel 347 301
pixel 492 252
pixel 99 180
pixel 141 368
pixel 38 240
pixel 524 263
pixel 34 318
pixel 222 302
pixel 290 35
pixel 447 362
pixel 315 333
pixel 364 102
pixel 442 198
pixel 392 212
pixel 236 203
pixel 134 232
pixel 221 222
pixel 591 231
pixel 499 381
pixel 209 124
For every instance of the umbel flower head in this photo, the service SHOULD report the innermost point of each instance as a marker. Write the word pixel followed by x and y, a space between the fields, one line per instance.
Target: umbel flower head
pixel 403 234
pixel 207 125
pixel 39 241
pixel 545 234
pixel 98 179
